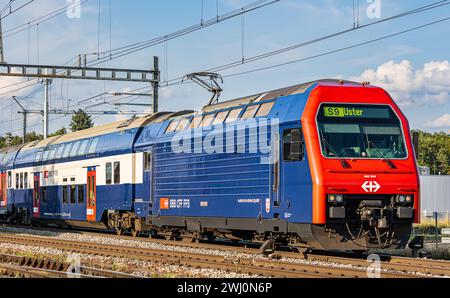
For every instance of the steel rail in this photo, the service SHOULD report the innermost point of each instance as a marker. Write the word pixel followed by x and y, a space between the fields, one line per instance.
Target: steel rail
pixel 263 267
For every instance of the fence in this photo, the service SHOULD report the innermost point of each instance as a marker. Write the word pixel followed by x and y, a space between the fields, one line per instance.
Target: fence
pixel 435 197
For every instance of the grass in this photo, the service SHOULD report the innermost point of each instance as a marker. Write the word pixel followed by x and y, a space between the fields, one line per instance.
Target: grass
pixel 427 226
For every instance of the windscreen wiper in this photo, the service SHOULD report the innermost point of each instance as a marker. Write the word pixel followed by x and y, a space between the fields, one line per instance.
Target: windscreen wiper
pixel 387 160
pixel 343 162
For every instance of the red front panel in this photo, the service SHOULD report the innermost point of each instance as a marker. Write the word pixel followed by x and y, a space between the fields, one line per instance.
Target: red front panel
pixel 364 176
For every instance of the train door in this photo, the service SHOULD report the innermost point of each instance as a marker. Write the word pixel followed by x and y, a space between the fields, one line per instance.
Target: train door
pixel 81 202
pixel 3 188
pixel 295 177
pixel 148 179
pixel 91 193
pixel 36 194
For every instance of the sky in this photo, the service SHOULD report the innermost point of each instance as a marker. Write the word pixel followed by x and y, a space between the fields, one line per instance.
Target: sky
pixel 413 67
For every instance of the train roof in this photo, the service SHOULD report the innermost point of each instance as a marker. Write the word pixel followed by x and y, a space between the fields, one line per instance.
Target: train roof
pixel 123 125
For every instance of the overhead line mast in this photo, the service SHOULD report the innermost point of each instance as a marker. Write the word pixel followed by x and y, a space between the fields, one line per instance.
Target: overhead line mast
pixel 49 72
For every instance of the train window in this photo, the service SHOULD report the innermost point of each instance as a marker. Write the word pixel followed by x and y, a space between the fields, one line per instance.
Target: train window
pixel 75 147
pixel 17 180
pixel 39 155
pixel 292 138
pixel 233 115
pixel 65 194
pixel 80 194
pixel 196 121
pixel 147 161
pixel 67 148
pixel 21 181
pixel 9 180
pixel 44 194
pixel 73 194
pixel 172 126
pixel 116 172
pixel 264 109
pixel 207 119
pixel 59 152
pixel 108 173
pixel 46 154
pixel 52 154
pixel 83 147
pixel 184 123
pixel 25 180
pixel 250 112
pixel 220 118
pixel 93 146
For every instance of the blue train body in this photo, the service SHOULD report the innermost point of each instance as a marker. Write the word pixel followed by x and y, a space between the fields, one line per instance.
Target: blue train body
pixel 220 171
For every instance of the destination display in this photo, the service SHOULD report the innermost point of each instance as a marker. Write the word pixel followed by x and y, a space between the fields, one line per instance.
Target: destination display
pixel 356 112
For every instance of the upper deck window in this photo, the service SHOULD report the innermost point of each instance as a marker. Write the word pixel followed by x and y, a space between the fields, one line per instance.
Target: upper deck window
pixel 233 115
pixel 93 146
pixel 52 154
pixel 46 154
pixel 183 124
pixel 220 118
pixel 74 150
pixel 39 155
pixel 59 153
pixel 196 121
pixel 172 126
pixel 67 148
pixel 360 131
pixel 207 120
pixel 250 112
pixel 265 109
pixel 83 147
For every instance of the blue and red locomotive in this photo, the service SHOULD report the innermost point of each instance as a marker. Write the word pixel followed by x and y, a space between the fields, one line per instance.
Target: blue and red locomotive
pixel 327 164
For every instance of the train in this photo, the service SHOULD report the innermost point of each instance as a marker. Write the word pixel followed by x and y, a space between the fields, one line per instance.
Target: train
pixel 328 165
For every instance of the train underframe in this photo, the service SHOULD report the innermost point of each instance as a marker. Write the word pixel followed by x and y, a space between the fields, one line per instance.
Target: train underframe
pixel 357 233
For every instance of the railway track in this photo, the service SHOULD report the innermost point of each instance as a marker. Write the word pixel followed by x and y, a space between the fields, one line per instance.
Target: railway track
pixel 32 267
pixel 252 266
pixel 388 262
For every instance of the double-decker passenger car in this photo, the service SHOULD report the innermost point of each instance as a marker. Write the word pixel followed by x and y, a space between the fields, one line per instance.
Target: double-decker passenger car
pixel 327 164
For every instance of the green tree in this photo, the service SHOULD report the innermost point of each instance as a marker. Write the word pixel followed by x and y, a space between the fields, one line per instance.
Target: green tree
pixel 59 132
pixel 80 121
pixel 33 136
pixel 434 152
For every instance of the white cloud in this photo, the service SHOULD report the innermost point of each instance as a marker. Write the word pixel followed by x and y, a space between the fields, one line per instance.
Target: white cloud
pixel 441 122
pixel 408 86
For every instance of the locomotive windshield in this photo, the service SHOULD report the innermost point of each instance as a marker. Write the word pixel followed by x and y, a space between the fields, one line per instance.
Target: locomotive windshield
pixel 360 131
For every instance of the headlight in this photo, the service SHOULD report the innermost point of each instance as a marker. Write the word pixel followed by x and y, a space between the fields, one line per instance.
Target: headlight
pixel 405 199
pixel 335 198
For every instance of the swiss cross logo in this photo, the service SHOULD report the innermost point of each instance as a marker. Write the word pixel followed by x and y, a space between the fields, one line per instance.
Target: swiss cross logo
pixel 370 186
pixel 164 203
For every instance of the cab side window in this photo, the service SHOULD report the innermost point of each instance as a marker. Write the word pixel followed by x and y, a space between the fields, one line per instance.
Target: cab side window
pixel 293 145
pixel 147 161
